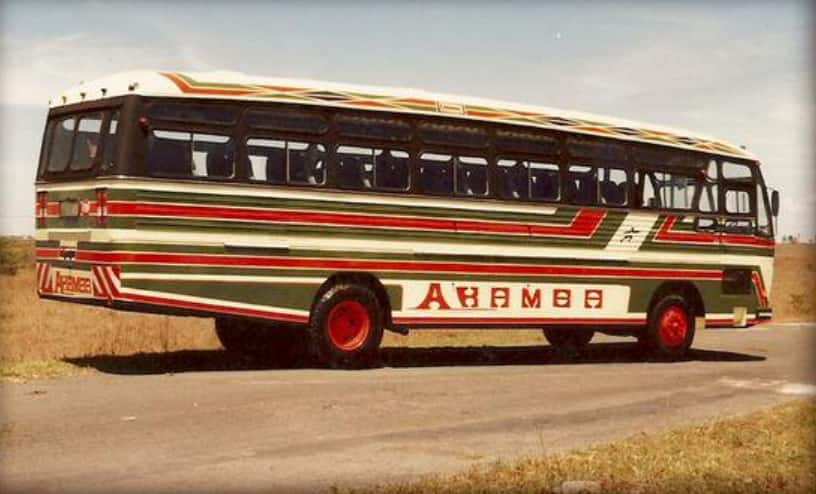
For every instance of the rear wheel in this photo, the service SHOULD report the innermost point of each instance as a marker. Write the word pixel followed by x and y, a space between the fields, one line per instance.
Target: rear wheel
pixel 283 345
pixel 347 326
pixel 569 339
pixel 670 330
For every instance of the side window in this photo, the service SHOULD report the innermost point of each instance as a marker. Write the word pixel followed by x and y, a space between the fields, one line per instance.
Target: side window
pixel 581 185
pixel 213 156
pixel 111 148
pixel 471 176
pixel 87 141
pixel 763 219
pixel 287 120
pixel 60 148
pixel 355 167
pixel 307 163
pixel 453 135
pixel 613 185
pixel 737 201
pixel 544 181
pixel 709 193
pixel 514 180
pixel 648 197
pixel 392 170
pixel 186 154
pixel 675 191
pixel 267 160
pixel 436 173
pixel 374 128
pixel 168 153
pixel 736 171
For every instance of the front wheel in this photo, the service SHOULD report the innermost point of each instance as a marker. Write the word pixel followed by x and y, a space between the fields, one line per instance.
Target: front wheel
pixel 670 329
pixel 347 326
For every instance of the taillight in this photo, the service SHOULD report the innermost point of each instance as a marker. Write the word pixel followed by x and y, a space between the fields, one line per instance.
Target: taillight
pixel 42 209
pixel 101 207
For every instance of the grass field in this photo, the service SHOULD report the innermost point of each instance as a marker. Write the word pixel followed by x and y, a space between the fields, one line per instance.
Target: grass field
pixel 33 330
pixel 772 451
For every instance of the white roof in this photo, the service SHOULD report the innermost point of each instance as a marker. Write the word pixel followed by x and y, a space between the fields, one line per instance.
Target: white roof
pixel 235 85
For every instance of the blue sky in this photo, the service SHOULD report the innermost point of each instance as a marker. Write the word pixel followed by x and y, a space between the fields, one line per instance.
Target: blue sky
pixel 741 71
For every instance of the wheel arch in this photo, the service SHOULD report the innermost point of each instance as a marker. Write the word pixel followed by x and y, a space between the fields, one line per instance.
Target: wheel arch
pixel 361 278
pixel 686 289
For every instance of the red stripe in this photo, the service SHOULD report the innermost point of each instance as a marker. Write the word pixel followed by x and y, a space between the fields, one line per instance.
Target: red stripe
pixel 216 308
pixel 665 234
pixel 516 320
pixel 379 265
pixel 583 225
pixel 760 287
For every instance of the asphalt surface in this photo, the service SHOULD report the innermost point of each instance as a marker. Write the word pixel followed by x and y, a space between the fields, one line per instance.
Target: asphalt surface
pixel 205 424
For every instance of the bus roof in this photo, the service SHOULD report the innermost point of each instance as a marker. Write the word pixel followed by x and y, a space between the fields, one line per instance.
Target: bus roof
pixel 235 85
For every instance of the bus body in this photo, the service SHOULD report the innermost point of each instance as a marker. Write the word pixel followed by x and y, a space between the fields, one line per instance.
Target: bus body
pixel 290 208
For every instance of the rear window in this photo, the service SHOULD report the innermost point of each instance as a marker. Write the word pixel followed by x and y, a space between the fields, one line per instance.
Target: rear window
pixel 77 143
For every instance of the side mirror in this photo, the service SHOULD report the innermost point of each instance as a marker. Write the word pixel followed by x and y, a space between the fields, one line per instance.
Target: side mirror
pixel 775 203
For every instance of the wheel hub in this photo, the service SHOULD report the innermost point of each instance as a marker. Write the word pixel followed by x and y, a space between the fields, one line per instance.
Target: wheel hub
pixel 674 326
pixel 349 325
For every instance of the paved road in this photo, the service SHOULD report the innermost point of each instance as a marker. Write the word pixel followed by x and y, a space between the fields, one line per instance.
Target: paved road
pixel 209 427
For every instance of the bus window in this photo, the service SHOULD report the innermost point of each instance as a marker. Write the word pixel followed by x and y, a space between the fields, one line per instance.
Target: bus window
pixel 471 175
pixel 709 190
pixel 582 187
pixel 186 112
pixel 613 185
pixel 452 135
pixel 392 170
pixel 522 142
pixel 60 148
pixel 544 181
pixel 86 141
pixel 288 120
pixel 736 171
pixel 738 201
pixel 763 218
pixel 168 153
pixel 307 163
pixel 676 191
pixel 267 160
pixel 596 149
pixel 514 180
pixel 436 171
pixel 111 145
pixel 355 167
pixel 386 129
pixel 185 154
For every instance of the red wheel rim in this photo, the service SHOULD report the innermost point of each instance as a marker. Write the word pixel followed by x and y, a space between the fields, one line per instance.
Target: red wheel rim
pixel 674 326
pixel 349 325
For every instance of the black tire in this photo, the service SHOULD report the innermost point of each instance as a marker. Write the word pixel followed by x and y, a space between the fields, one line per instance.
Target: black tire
pixel 348 307
pixel 572 340
pixel 663 337
pixel 281 345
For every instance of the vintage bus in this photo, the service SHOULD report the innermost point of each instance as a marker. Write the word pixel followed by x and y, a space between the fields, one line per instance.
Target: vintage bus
pixel 306 216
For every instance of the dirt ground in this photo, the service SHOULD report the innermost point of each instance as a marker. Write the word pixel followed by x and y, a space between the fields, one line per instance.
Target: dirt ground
pixel 33 329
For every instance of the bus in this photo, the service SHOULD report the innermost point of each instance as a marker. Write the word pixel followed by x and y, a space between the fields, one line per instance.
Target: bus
pixel 309 217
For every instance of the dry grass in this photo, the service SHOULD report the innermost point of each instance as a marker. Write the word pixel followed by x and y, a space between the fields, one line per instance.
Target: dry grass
pixel 794 283
pixel 40 330
pixel 34 329
pixel 768 451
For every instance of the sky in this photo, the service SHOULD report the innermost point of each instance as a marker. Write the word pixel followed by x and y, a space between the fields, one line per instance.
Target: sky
pixel 740 71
